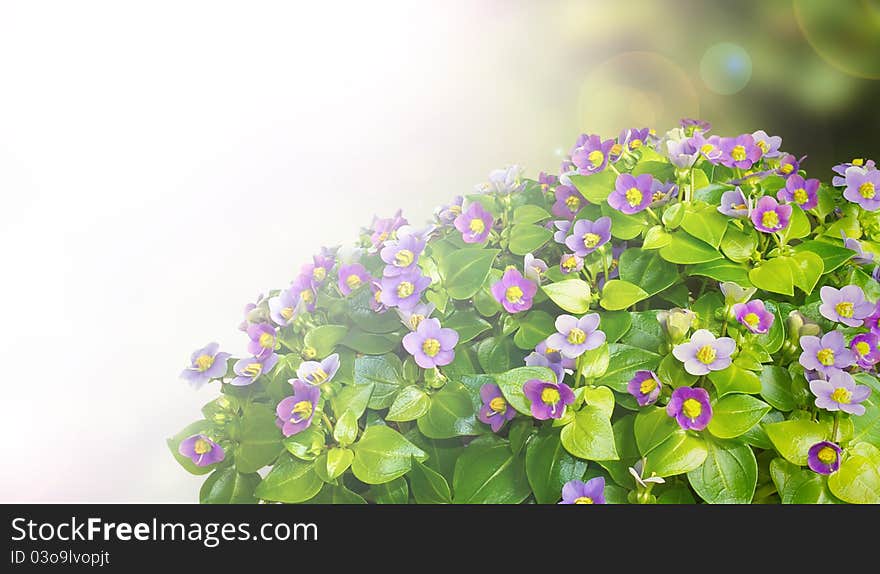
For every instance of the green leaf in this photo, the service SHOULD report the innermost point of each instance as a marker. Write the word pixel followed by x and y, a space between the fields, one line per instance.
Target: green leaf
pixel 739 245
pixel 807 487
pixel 393 492
pixel 773 275
pixel 652 426
pixel 723 270
pixel 451 413
pixel 673 215
pixel 352 398
pixel 776 388
pixel 346 430
pixel 365 318
pixel 383 373
pixel 488 472
pixel 572 295
pixel 833 255
pixel 331 464
pixel 336 494
pixel 624 226
pixel 305 445
pixel 624 362
pixel 464 271
pixel 597 187
pixel 681 452
pixel 536 326
pixel 494 354
pixel 325 338
pixel 511 385
pixel 661 170
pixel 858 480
pixel 772 340
pixel 600 398
pixel 549 467
pixel 526 238
pixel 735 380
pixel 618 294
pixel 383 454
pixel 369 343
pixel 595 362
pixel 467 324
pixel 656 237
pixel 687 250
pixel 198 427
pixel 647 270
pixel 729 474
pixel 793 438
pixel 806 268
pixel 798 226
pixel 645 332
pixel 227 486
pixel 867 426
pixel 671 371
pixel 590 435
pixel 706 224
pixel 409 404
pixel 615 324
pixel 735 414
pixel 529 214
pixel 290 480
pixel 428 486
pixel 260 439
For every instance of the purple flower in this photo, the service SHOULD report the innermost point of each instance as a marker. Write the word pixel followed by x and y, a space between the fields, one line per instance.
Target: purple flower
pixel 284 307
pixel 631 194
pixel 846 305
pixel 705 353
pixel 475 223
pixel 575 336
pixel 587 236
pixel 414 316
pixel 800 191
pixel 633 138
pixel 201 450
pixel 709 148
pixel 645 387
pixel 351 277
pixel 788 165
pixel 303 289
pixel 661 192
pixel 246 370
pixel 254 313
pixel 590 492
pixel 827 355
pixel 534 269
pixel 446 214
pixel 536 359
pixel 205 364
pixel 296 412
pixel 562 228
pixel 569 201
pixel 863 187
pixel 866 348
pixel 754 316
pixel 383 229
pixel 682 152
pixel 263 340
pixel 547 181
pixel 430 345
pixel 590 154
pixel 495 410
pixel 872 321
pixel 316 373
pixel 570 262
pixel 861 257
pixel 404 290
pixel 376 303
pixel 840 180
pixel 691 408
pixel 504 181
pixel 548 399
pixel 840 393
pixel 401 255
pixel 318 269
pixel 691 125
pixel 770 217
pixel 514 291
pixel 769 145
pixel 824 457
pixel 734 204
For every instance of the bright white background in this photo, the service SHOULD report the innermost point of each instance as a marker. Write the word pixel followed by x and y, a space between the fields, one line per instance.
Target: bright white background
pixel 163 162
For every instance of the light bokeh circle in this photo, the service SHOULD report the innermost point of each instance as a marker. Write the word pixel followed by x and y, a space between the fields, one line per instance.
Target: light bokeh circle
pixel 726 68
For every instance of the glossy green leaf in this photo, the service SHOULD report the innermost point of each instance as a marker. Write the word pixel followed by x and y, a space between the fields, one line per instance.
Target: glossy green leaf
pixel 706 224
pixel 488 472
pixel 536 326
pixel 511 385
pixel 806 268
pixel 773 275
pixel 428 486
pixel 688 250
pixel 615 324
pixel 793 438
pixel 776 388
pixel 624 362
pixel 618 294
pixel 384 374
pixel 729 474
pixel 450 413
pixel 572 295
pixel 647 270
pixel 324 338
pixel 597 187
pixel 549 466
pixel 260 439
pixel 227 486
pixel 526 238
pixel 858 480
pixel 290 480
pixel 410 403
pixel 464 271
pixel 833 255
pixel 723 270
pixel 468 324
pixel 590 435
pixel 393 492
pixel 346 429
pixel 529 214
pixel 383 454
pixel 735 380
pixel 734 414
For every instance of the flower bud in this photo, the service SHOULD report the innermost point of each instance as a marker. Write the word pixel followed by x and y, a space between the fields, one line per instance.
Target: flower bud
pixel 308 353
pixel 733 293
pixel 676 323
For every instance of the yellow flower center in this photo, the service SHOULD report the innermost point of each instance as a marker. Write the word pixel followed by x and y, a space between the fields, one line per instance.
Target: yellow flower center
pixel 634 196
pixel 309 352
pixel 738 206
pixel 692 408
pixel 800 196
pixel 307 295
pixel 569 262
pixel 591 240
pixel 204 362
pixel 319 273
pixel 583 500
pixel 826 357
pixel 550 396
pixel 383 236
pixel 267 341
pixel 353 281
pixel 648 385
pixel 863 348
pixel 573 202
pixel 844 309
pixel 635 144
pixel 596 157
pixel 477 226
pixel 752 319
pixel 858 161
pixel 841 395
pixel 738 153
pixel 498 405
pixel 549 350
pixel 576 336
pixel 253 369
pixel 513 294
pixel 706 148
pixel 377 296
pixel 287 313
pixel 867 190
pixel 415 320
pixel 616 149
pixel 763 145
pixel 827 454
pixel 431 347
pixel 770 219
pixel 302 410
pixel 202 446
pixel 405 289
pixel 706 354
pixel 318 376
pixel 786 168
pixel 404 258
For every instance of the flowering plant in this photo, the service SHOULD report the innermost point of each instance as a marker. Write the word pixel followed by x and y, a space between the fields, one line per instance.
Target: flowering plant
pixel 671 319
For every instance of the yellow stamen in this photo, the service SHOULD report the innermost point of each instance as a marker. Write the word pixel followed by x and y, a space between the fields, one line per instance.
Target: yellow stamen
pixel 591 240
pixel 786 168
pixel 204 362
pixel 287 313
pixel 477 226
pixel 498 405
pixel 253 370
pixel 844 309
pixel 431 347
pixel 301 410
pixel 634 196
pixel 309 353
pixel 596 157
pixel 548 350
pixel 763 145
pixel 826 357
pixel 706 148
pixel 319 273
pixel 353 281
pixel 738 153
pixel 616 149
pixel 863 348
pixel 318 376
pixel 513 294
pixel 770 219
pixel 752 319
pixel 647 385
pixel 583 500
pixel 576 336
pixel 635 144
pixel 202 446
pixel 573 203
pixel 827 455
pixel 692 408
pixel 415 320
pixel 800 196
pixel 307 295
pixel 569 262
pixel 267 341
pixel 841 395
pixel 405 289
pixel 867 190
pixel 706 354
pixel 404 258
pixel 858 161
pixel 550 396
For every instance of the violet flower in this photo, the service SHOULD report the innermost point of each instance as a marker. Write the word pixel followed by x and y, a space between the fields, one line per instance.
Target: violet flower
pixel 734 204
pixel 534 269
pixel 404 290
pixel 284 307
pixel 383 229
pixel 645 387
pixel 827 355
pixel 788 165
pixel 554 355
pixel 587 236
pixel 351 277
pixel 740 152
pixel 690 407
pixel 413 317
pixel 804 193
pixel 866 349
pixel 430 345
pixel 631 194
pixel 863 187
pixel 201 450
pixel 569 201
pixel 840 169
pixel 205 364
pixel 446 214
pixel 536 359
pixel 562 228
pixel 691 125
pixel 575 336
pixel 570 262
pixel 296 412
pixel 846 305
pixel 840 393
pixel 495 410
pixel 514 291
pixel 872 321
pixel 401 255
pixel 709 148
pixel 578 492
pixel 474 223
pixel 754 316
pixel 548 400
pixel 590 154
pixel 861 257
pixel 768 216
pixel 824 457
pixel 704 353
pixel 246 370
pixel 316 373
pixel 769 145
pixel 264 338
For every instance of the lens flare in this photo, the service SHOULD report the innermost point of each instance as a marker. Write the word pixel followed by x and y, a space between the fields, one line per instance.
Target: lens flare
pixel 726 68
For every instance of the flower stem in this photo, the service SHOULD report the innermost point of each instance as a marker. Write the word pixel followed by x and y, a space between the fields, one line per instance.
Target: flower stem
pixel 835 427
pixel 614 169
pixel 654 215
pixel 327 422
